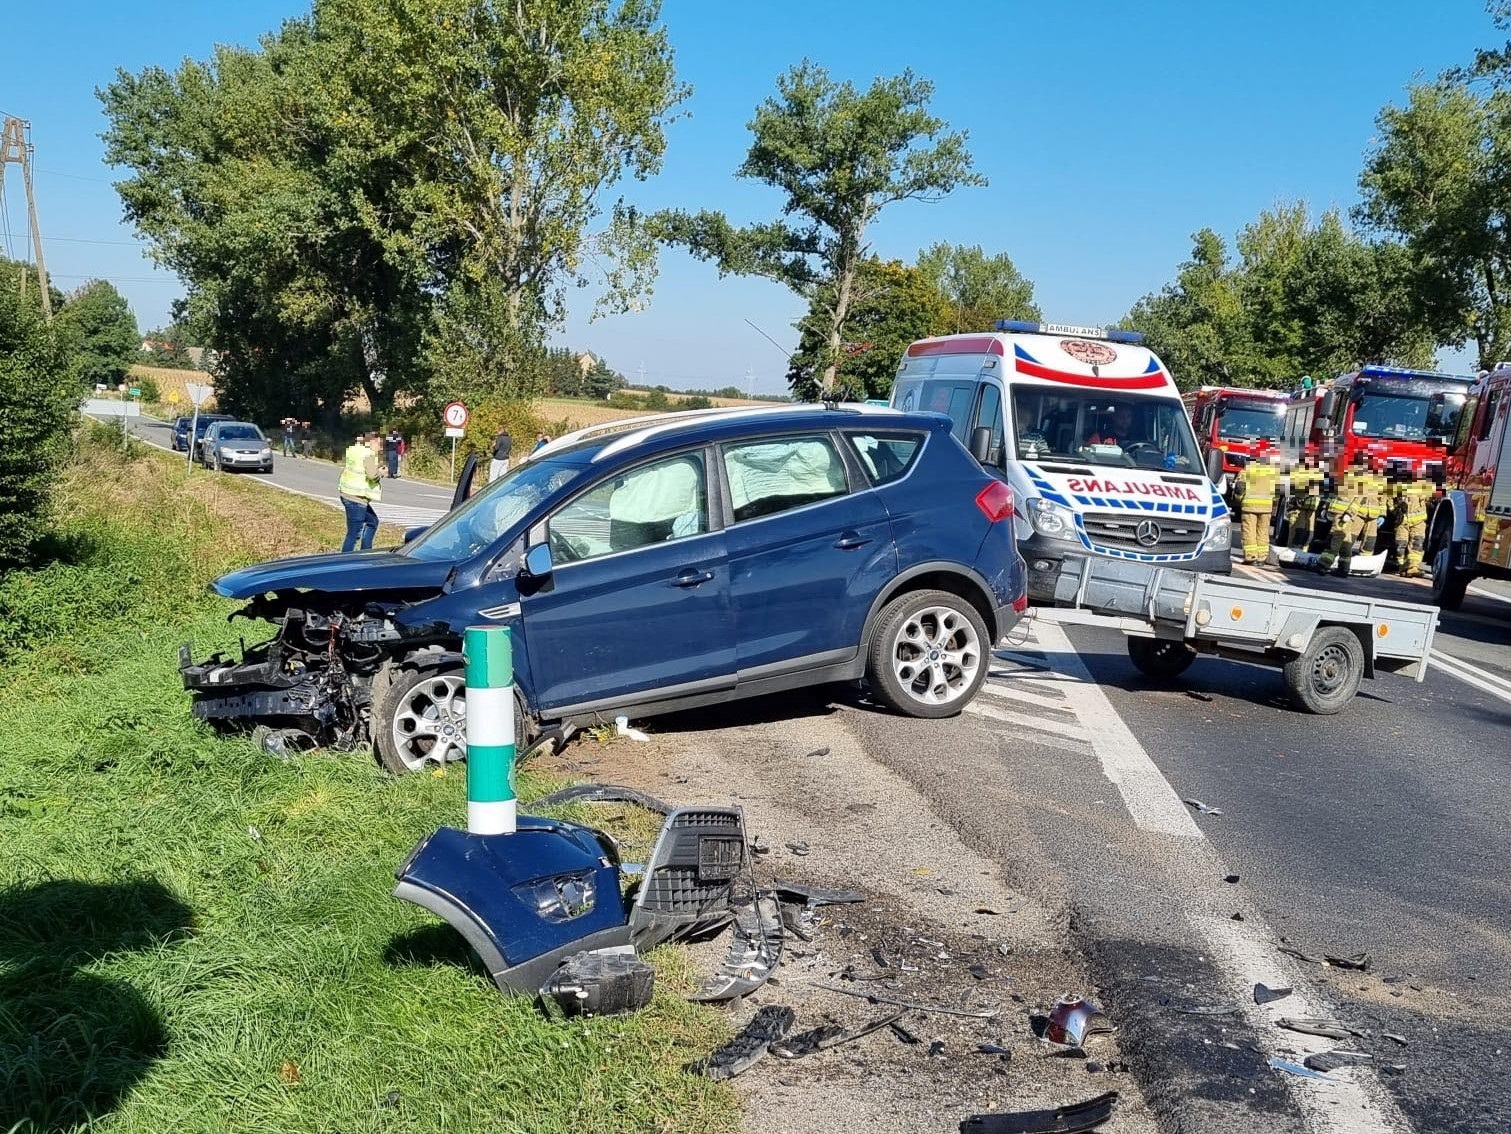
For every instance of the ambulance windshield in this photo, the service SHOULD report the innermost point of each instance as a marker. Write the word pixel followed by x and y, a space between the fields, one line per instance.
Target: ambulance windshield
pixel 1116 430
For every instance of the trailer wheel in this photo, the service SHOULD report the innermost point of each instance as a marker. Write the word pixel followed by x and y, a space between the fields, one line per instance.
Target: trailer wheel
pixel 1160 658
pixel 1325 677
pixel 1449 584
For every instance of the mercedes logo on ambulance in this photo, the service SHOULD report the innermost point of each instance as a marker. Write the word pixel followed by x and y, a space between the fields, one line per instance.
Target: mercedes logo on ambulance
pixel 1147 533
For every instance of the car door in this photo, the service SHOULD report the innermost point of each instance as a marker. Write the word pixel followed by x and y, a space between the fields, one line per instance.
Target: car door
pixel 810 546
pixel 638 598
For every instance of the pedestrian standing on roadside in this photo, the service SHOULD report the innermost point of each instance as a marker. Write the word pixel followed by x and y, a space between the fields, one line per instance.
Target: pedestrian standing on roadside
pixel 361 488
pixel 503 445
pixel 307 441
pixel 288 424
pixel 541 441
pixel 393 446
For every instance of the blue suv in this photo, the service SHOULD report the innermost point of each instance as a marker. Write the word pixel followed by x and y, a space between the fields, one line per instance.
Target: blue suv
pixel 646 567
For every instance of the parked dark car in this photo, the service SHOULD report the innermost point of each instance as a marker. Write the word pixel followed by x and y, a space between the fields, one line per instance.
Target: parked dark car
pixel 700 559
pixel 181 428
pixel 229 445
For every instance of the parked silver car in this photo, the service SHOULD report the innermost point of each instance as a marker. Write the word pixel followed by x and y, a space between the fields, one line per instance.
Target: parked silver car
pixel 231 445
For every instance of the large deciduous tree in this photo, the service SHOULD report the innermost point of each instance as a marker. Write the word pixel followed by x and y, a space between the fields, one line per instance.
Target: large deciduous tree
pixel 104 331
pixel 839 156
pixel 388 192
pixel 980 289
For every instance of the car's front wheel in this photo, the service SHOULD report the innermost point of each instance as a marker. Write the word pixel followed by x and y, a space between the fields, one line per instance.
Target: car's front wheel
pixel 929 654
pixel 421 719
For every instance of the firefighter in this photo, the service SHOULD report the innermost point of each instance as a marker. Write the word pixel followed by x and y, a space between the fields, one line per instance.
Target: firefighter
pixel 1413 493
pixel 1256 498
pixel 1374 504
pixel 1303 502
pixel 1346 510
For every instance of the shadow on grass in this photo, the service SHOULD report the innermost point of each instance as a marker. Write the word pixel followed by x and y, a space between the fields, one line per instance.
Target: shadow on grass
pixel 72 1042
pixel 432 945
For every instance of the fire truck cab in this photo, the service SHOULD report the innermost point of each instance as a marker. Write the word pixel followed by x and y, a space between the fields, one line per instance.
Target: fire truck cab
pixel 1087 427
pixel 1239 423
pixel 1470 532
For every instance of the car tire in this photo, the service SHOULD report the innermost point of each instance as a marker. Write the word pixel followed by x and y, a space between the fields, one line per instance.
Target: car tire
pixel 909 668
pixel 1325 676
pixel 1160 658
pixel 1449 584
pixel 411 700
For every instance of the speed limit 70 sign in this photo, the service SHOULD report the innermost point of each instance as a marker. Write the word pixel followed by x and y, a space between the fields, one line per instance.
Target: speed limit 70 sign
pixel 454 416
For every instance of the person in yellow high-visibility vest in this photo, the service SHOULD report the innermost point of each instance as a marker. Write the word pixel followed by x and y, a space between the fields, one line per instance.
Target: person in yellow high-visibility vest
pixel 1413 494
pixel 1304 500
pixel 360 488
pixel 1255 491
pixel 1346 511
pixel 1373 506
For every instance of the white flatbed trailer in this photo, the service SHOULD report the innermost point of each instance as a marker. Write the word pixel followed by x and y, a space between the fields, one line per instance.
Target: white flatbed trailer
pixel 1325 643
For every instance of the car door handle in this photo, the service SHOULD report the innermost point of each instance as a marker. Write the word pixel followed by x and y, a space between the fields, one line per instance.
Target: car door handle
pixel 691 578
pixel 849 541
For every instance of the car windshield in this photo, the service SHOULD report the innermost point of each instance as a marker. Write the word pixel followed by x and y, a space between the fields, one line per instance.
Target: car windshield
pixel 479 522
pixel 240 433
pixel 1406 417
pixel 1246 421
pixel 1119 430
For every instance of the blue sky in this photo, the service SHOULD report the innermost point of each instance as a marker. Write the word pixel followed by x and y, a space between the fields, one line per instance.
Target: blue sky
pixel 1109 131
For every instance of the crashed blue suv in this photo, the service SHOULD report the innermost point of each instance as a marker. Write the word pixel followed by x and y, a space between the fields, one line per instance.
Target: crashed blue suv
pixel 645 567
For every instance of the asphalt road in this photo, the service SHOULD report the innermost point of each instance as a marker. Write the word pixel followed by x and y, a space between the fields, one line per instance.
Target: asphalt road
pixel 406 503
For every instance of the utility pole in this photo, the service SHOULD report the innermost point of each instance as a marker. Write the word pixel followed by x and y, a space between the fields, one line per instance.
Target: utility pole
pixel 16 149
pixel 749 382
pixel 642 374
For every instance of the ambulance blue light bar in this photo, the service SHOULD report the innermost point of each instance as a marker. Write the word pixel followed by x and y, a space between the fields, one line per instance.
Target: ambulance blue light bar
pixel 1024 327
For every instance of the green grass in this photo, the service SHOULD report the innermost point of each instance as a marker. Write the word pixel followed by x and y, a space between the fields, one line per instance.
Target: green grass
pixel 197 937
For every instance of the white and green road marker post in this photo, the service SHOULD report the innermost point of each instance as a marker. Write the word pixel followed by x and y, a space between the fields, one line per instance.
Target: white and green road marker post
pixel 489 658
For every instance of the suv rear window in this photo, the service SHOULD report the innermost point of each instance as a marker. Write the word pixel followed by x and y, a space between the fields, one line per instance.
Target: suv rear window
pixel 770 476
pixel 885 456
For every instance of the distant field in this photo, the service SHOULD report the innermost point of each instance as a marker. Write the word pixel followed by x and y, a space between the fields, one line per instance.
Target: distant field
pixel 173 381
pixel 580 413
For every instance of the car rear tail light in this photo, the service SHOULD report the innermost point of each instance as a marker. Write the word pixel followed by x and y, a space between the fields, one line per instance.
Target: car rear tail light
pixel 996 501
pixel 1020 604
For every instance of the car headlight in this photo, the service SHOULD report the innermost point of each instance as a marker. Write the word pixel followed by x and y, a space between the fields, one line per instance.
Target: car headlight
pixel 1054 521
pixel 266 452
pixel 1219 536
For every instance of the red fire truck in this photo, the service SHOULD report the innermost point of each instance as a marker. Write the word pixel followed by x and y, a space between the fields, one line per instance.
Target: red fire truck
pixel 1241 423
pixel 1391 415
pixel 1470 529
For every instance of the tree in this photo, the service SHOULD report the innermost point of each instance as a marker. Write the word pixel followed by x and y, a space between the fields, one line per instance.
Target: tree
pixel 1195 323
pixel 105 332
pixel 392 194
pixel 894 305
pixel 1440 179
pixel 839 156
pixel 980 289
pixel 38 392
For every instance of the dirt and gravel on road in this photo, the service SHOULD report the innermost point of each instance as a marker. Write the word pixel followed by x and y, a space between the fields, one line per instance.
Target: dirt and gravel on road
pixel 939 926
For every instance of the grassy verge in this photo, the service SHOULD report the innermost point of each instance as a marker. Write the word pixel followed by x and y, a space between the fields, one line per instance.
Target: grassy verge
pixel 196 937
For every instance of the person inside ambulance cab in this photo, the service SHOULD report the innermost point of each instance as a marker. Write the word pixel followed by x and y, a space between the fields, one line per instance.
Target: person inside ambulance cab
pixel 1114 430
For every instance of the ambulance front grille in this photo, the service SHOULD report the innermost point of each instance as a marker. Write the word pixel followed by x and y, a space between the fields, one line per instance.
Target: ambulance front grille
pixel 1119 531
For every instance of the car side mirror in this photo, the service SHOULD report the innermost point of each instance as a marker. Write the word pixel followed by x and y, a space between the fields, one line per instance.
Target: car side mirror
pixel 1325 410
pixel 415 533
pixel 1214 465
pixel 981 444
pixel 538 561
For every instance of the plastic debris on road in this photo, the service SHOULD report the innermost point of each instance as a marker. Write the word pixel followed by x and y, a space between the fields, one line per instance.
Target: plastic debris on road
pixel 1202 807
pixel 1314 1026
pixel 766 1027
pixel 1332 1060
pixel 1072 1119
pixel 622 728
pixel 1264 994
pixel 603 793
pixel 1072 1019
pixel 1290 1067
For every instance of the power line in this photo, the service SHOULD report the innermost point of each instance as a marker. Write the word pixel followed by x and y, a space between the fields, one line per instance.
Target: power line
pixel 84 240
pixel 115 279
pixel 74 176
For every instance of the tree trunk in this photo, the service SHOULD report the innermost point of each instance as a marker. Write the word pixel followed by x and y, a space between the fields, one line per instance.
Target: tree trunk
pixel 844 286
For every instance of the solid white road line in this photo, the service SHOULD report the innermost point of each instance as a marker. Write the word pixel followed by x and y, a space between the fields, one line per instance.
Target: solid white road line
pixel 1480 679
pixel 1482 593
pixel 1353 1104
pixel 1146 793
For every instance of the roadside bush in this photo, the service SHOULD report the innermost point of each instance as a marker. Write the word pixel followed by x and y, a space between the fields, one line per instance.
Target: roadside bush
pixel 38 393
pixel 150 393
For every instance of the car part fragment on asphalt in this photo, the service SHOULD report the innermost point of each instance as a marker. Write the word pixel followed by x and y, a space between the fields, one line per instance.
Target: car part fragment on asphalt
pixel 1359 962
pixel 622 728
pixel 1291 1067
pixel 1264 994
pixel 1334 1059
pixel 754 951
pixel 689 879
pixel 815 895
pixel 1394 1038
pixel 800 921
pixel 1202 807
pixel 599 984
pixel 903 1034
pixel 603 793
pixel 1314 1026
pixel 799 849
pixel 827 1036
pixel 1073 1119
pixel 768 1025
pixel 1292 951
pixel 912 1005
pixel 1072 1019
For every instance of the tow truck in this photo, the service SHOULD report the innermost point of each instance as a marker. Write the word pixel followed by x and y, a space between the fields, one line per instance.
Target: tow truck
pixel 1240 423
pixel 1393 417
pixel 1469 532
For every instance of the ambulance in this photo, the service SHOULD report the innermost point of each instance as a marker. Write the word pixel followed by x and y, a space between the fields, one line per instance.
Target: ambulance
pixel 1088 428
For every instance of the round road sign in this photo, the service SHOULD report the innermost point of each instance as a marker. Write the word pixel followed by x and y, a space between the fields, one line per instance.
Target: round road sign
pixel 455 415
